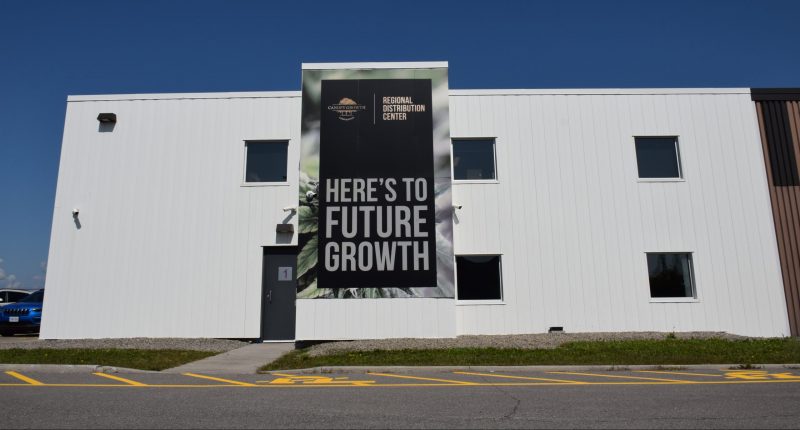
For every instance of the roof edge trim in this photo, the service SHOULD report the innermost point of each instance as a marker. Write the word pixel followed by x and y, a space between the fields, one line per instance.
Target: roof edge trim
pixel 183 96
pixel 376 65
pixel 773 93
pixel 600 91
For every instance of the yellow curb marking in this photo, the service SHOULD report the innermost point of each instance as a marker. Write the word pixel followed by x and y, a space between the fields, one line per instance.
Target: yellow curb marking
pixel 676 381
pixel 120 379
pixel 227 381
pixel 528 378
pixel 23 378
pixel 448 381
pixel 678 373
pixel 288 379
pixel 759 375
pixel 785 375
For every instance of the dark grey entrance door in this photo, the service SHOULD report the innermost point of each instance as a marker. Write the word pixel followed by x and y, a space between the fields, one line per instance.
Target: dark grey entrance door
pixel 278 293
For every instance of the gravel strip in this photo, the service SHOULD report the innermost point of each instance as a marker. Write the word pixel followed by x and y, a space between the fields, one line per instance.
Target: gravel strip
pixel 524 341
pixel 213 345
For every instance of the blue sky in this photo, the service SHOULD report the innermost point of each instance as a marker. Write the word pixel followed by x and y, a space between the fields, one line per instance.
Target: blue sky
pixel 49 50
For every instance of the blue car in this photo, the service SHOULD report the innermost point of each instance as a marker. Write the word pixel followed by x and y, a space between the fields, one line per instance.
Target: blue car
pixel 24 316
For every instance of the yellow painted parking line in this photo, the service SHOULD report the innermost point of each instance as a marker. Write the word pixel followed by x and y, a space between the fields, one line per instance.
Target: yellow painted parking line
pixel 665 372
pixel 527 378
pixel 78 385
pixel 286 378
pixel 625 377
pixel 759 374
pixel 227 381
pixel 120 379
pixel 420 378
pixel 21 377
pixel 409 385
pixel 290 375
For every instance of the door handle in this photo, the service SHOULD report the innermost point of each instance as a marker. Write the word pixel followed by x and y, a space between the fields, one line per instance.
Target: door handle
pixel 269 296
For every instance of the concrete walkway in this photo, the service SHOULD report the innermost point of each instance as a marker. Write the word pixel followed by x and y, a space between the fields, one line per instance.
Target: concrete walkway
pixel 244 360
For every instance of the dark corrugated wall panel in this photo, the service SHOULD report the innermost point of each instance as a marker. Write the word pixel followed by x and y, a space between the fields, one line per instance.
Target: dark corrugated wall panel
pixel 779 120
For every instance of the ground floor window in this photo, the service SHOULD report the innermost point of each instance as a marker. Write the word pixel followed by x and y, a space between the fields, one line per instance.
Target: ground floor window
pixel 478 277
pixel 671 275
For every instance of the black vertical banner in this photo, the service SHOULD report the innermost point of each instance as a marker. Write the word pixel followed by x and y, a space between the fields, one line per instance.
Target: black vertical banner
pixel 377 216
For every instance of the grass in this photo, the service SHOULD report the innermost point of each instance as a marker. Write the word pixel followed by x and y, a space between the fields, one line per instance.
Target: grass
pixel 144 359
pixel 613 353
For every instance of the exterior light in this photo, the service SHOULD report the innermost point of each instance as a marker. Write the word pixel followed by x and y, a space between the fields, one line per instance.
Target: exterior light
pixel 107 118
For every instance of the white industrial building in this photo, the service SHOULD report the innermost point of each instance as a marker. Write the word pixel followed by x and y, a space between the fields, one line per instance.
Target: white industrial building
pixel 157 233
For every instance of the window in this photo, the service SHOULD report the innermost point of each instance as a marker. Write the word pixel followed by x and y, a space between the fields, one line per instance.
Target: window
pixel 671 275
pixel 266 161
pixel 15 296
pixel 473 159
pixel 12 296
pixel 658 157
pixel 479 277
pixel 35 297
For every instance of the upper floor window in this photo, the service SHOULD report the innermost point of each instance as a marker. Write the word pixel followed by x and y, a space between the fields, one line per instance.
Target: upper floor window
pixel 474 159
pixel 658 158
pixel 265 161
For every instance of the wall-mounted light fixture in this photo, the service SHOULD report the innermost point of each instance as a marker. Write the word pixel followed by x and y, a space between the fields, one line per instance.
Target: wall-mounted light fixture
pixel 75 213
pixel 107 118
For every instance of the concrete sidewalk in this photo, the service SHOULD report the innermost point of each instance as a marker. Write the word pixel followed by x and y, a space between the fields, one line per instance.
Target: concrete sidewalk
pixel 244 360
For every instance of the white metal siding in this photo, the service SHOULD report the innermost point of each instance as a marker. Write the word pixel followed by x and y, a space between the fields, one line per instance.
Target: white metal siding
pixel 573 222
pixel 170 244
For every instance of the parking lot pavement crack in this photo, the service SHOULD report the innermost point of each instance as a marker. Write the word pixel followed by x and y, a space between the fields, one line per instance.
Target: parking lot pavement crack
pixel 513 412
pixel 516 400
pixel 506 393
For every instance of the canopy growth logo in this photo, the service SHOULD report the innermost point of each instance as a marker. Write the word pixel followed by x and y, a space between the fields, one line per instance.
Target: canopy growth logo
pixel 346 108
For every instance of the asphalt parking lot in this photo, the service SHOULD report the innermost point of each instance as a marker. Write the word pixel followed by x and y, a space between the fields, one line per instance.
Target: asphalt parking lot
pixel 721 398
pixel 278 380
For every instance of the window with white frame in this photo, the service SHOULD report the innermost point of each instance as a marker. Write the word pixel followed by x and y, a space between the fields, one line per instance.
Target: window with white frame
pixel 474 159
pixel 265 161
pixel 671 275
pixel 479 277
pixel 658 157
